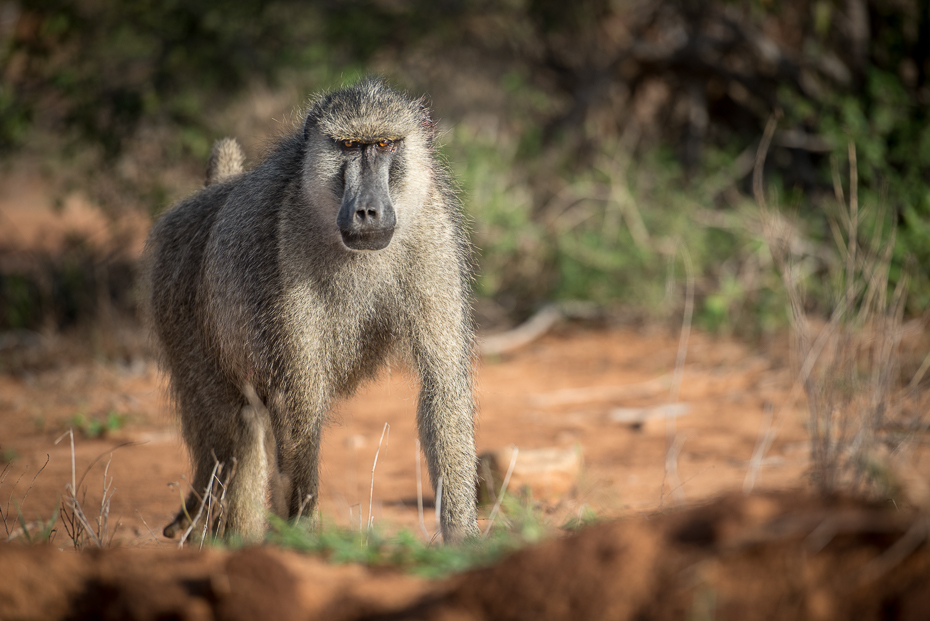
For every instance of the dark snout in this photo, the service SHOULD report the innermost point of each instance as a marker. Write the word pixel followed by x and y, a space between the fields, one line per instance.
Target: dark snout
pixel 366 218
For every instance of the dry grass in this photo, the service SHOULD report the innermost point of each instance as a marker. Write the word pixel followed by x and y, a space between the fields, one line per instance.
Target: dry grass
pixel 14 521
pixel 81 530
pixel 850 364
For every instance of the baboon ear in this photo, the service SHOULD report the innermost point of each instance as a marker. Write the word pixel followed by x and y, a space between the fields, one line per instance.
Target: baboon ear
pixel 426 118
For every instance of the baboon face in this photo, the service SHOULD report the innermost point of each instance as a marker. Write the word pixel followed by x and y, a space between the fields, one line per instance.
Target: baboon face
pixel 367 163
pixel 366 216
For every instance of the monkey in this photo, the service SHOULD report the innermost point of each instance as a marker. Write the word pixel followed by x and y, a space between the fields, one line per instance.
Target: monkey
pixel 300 278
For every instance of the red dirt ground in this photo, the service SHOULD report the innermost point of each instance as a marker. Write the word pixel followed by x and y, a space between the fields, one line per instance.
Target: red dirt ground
pixel 725 384
pixel 692 546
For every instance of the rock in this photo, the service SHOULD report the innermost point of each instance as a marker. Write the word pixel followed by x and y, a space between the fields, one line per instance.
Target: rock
pixel 648 420
pixel 547 472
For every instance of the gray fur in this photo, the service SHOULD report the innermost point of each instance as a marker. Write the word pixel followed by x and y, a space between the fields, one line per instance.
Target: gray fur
pixel 252 285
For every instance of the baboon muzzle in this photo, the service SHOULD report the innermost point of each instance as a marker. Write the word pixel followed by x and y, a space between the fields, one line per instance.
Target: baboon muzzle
pixel 366 218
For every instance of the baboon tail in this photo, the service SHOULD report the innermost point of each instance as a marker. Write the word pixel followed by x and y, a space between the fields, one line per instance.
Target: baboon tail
pixel 226 160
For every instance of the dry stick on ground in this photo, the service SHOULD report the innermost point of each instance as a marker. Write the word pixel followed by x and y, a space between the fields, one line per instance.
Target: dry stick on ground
pixel 420 496
pixel 919 375
pixel 202 504
pixel 535 327
pixel 672 440
pixel 151 532
pixel 103 519
pixel 763 442
pixel 500 497
pixel 527 332
pixel 371 495
pixel 625 392
pixel 438 507
pixel 220 502
pixel 77 512
pixel 211 502
pixel 80 524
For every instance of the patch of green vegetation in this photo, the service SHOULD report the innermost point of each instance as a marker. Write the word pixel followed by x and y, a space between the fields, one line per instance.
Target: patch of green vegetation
pixel 43 531
pixel 584 518
pixel 618 232
pixel 561 204
pixel 889 130
pixel 408 551
pixel 98 426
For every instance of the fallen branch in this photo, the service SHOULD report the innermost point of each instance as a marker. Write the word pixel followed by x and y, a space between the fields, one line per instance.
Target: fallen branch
pixel 535 327
pixel 593 394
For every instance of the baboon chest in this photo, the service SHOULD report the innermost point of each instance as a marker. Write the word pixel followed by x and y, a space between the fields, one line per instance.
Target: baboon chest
pixel 346 337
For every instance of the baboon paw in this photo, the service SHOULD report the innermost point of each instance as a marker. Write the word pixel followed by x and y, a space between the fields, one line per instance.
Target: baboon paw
pixel 179 525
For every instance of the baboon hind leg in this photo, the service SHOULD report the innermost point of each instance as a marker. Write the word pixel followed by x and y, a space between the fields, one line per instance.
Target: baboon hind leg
pixel 232 466
pixel 302 456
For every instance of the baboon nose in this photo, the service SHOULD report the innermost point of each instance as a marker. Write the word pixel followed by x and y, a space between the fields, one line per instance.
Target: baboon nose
pixel 366 227
pixel 365 215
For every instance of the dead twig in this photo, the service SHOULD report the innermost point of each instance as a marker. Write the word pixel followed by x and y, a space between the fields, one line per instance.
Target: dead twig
pixel 420 496
pixel 534 327
pixel 202 504
pixel 763 442
pixel 438 508
pixel 500 497
pixel 371 496
pixel 673 440
pixel 594 394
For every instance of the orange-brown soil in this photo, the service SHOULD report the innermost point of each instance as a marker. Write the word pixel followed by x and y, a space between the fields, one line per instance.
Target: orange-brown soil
pixel 682 540
pixel 558 392
pixel 763 556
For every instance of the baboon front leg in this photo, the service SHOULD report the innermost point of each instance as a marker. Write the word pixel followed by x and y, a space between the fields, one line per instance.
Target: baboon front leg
pixel 445 418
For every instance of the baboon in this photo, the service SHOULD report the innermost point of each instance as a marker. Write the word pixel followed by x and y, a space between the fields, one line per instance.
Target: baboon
pixel 299 278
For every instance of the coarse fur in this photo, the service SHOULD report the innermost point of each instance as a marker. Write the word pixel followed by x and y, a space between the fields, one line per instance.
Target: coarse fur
pixel 226 160
pixel 252 285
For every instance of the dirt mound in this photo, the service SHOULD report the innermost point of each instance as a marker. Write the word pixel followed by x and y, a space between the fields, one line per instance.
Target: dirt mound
pixel 42 583
pixel 784 556
pixel 760 557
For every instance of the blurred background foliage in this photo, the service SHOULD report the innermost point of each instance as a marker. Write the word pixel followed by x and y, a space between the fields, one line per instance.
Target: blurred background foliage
pixel 602 146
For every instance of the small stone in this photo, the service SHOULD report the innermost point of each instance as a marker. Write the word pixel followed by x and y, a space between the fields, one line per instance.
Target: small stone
pixel 547 472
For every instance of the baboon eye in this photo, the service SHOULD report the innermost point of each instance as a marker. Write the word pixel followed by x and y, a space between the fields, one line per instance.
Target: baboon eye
pixel 385 143
pixel 350 144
